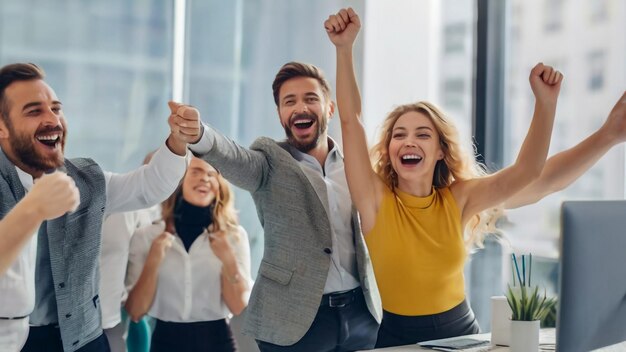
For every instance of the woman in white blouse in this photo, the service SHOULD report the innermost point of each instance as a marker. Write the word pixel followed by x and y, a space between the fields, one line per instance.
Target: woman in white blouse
pixel 191 270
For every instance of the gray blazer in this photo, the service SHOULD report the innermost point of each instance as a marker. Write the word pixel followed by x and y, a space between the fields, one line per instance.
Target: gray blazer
pixel 74 241
pixel 288 290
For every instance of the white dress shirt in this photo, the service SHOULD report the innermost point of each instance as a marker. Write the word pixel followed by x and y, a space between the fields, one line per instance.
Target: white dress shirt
pixel 342 273
pixel 189 286
pixel 117 230
pixel 137 189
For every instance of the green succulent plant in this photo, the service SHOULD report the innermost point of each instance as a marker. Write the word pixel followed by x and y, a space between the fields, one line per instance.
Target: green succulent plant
pixel 528 304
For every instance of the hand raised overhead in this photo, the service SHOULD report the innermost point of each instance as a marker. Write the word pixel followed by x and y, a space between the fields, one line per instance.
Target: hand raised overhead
pixel 545 82
pixel 343 27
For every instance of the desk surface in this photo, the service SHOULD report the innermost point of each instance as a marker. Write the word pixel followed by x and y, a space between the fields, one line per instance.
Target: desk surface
pixel 547 342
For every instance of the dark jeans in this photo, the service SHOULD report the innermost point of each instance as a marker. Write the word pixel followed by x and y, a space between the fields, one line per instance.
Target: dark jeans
pixel 48 338
pixel 398 330
pixel 214 336
pixel 342 323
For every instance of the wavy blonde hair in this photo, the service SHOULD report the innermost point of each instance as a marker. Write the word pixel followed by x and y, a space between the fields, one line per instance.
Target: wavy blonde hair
pixel 224 213
pixel 457 164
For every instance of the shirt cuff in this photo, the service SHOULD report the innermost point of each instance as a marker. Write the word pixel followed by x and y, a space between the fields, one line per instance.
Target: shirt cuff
pixel 205 143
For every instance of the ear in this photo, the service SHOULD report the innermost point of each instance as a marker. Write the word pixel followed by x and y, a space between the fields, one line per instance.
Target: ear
pixel 440 155
pixel 4 131
pixel 331 109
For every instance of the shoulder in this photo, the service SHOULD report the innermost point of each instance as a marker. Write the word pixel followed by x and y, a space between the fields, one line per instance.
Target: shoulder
pixel 143 236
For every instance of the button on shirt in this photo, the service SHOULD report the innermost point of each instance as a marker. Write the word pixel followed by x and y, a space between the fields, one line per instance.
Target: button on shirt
pixel 125 192
pixel 189 286
pixel 343 273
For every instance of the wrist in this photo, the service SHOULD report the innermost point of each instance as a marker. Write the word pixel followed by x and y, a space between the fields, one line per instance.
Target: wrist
pixel 175 146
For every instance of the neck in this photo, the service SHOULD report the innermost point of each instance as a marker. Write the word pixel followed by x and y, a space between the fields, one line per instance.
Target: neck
pixel 416 187
pixel 320 152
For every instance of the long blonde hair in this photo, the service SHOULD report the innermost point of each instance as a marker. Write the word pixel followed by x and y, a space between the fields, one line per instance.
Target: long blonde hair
pixel 224 213
pixel 457 164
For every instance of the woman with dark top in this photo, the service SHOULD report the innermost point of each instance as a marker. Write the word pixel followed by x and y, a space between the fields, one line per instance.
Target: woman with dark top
pixel 191 271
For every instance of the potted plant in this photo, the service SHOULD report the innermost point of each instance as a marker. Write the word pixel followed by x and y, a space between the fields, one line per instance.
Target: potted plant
pixel 528 308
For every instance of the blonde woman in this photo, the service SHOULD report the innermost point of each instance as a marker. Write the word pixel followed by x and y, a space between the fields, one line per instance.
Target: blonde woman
pixel 420 195
pixel 192 270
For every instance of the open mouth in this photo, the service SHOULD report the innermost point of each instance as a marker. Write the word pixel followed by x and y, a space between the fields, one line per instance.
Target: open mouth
pixel 303 123
pixel 50 140
pixel 410 159
pixel 203 190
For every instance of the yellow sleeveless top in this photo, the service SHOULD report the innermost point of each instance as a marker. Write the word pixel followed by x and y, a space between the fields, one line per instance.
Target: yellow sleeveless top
pixel 418 252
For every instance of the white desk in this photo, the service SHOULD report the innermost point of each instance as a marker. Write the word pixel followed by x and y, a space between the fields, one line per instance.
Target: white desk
pixel 547 342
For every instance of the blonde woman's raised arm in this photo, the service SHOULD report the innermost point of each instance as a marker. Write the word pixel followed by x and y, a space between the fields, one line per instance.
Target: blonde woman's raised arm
pixel 365 186
pixel 486 192
pixel 564 168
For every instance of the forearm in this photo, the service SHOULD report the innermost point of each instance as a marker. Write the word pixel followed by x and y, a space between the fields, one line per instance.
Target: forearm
pixel 16 229
pixel 147 185
pixel 534 151
pixel 141 296
pixel 563 169
pixel 235 288
pixel 241 166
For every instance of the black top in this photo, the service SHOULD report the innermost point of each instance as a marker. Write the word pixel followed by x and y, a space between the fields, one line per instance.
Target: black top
pixel 190 220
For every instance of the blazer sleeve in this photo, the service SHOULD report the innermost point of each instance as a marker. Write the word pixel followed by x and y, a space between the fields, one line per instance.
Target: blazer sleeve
pixel 241 166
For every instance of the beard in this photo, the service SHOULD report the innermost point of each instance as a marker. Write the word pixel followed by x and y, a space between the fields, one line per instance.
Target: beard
pixel 26 152
pixel 304 145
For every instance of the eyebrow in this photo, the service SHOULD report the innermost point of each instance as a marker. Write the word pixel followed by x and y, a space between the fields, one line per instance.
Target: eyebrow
pixel 419 128
pixel 308 94
pixel 38 103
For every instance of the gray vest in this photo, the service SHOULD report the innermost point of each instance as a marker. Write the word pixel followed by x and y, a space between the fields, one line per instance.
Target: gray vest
pixel 74 242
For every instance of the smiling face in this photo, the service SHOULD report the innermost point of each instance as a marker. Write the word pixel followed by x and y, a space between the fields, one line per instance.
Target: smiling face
pixel 304 111
pixel 414 148
pixel 34 135
pixel 200 184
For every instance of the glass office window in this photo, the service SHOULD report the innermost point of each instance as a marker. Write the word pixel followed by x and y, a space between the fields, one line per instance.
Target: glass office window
pixel 234 49
pixel 585 51
pixel 108 62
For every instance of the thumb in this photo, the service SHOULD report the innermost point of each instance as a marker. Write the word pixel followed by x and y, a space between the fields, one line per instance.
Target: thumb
pixel 174 106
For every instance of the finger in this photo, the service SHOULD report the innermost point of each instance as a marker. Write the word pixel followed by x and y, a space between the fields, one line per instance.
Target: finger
pixel 173 106
pixel 335 23
pixel 188 131
pixel 545 75
pixel 328 26
pixel 553 75
pixel 354 18
pixel 341 22
pixel 557 78
pixel 343 14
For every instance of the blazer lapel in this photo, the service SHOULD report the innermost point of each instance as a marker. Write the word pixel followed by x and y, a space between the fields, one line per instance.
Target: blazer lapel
pixel 7 169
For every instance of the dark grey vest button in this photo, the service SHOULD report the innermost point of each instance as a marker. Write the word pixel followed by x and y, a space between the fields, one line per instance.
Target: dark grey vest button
pixel 62 285
pixel 68 315
pixel 328 250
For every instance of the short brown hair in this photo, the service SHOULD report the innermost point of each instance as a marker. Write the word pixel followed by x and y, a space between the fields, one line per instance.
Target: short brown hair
pixel 16 72
pixel 298 69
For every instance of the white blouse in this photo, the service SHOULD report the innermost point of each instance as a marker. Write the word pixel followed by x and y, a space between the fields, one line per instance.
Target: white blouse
pixel 189 287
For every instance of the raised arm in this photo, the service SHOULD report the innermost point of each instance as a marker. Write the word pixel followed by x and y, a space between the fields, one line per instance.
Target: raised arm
pixel 52 195
pixel 564 168
pixel 365 187
pixel 479 194
pixel 242 167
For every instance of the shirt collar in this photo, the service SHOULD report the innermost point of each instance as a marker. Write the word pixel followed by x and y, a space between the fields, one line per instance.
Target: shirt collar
pixel 333 154
pixel 25 178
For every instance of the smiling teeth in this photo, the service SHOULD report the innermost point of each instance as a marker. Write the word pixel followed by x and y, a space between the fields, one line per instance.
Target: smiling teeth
pixel 48 138
pixel 410 157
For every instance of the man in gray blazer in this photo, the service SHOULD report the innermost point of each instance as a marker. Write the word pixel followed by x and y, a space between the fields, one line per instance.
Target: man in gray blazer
pixel 64 310
pixel 315 290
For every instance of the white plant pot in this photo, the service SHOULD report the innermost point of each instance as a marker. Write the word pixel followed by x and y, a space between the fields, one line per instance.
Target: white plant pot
pixel 525 336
